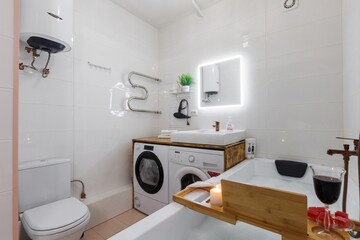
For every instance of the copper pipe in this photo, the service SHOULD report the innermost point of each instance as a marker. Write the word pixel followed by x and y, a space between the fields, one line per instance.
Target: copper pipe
pixel 45 72
pixel 347 154
pixel 356 234
pixel 346 157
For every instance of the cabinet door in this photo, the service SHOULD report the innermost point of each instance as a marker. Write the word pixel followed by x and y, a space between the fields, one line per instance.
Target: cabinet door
pixel 234 155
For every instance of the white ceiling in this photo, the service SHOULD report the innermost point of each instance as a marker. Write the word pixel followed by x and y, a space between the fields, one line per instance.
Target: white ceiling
pixel 161 12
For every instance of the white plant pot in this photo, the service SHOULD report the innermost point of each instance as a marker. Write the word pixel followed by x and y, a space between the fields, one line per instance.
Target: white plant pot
pixel 185 88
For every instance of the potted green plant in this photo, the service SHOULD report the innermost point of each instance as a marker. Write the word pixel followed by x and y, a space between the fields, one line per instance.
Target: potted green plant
pixel 185 80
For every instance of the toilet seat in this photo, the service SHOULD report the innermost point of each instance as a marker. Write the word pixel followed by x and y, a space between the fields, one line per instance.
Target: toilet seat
pixel 64 216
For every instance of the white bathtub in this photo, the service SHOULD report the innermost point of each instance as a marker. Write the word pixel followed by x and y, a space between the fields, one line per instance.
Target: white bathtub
pixel 177 222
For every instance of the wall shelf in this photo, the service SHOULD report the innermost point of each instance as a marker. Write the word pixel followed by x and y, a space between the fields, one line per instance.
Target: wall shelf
pixel 178 92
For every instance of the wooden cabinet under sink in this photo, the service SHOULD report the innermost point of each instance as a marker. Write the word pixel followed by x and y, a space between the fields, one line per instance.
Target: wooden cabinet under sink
pixel 233 153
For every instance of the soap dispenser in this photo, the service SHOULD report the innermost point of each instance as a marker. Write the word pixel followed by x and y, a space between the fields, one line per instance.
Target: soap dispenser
pixel 229 125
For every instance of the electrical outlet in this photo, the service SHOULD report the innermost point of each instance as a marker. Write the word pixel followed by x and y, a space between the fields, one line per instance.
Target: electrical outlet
pixel 288 5
pixel 194 113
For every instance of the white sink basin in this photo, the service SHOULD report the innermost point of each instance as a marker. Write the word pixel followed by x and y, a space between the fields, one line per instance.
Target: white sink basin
pixel 208 136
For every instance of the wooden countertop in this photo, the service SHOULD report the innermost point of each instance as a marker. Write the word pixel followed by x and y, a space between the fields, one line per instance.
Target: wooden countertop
pixel 166 141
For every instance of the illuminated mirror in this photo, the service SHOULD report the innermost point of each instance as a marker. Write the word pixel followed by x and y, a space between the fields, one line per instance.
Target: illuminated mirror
pixel 220 83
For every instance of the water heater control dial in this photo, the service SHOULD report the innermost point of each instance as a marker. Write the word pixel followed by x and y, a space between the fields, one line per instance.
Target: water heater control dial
pixel 191 158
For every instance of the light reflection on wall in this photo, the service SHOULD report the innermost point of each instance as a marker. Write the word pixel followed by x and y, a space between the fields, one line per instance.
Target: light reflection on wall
pixel 115 93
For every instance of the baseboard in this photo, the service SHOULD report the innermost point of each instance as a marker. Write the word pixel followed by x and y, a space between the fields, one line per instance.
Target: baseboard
pixel 108 205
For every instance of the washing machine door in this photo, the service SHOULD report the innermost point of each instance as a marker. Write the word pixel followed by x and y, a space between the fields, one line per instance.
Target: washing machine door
pixel 186 176
pixel 149 172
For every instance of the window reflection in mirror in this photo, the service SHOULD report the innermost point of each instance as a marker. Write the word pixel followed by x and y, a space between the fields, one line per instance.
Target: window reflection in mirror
pixel 220 83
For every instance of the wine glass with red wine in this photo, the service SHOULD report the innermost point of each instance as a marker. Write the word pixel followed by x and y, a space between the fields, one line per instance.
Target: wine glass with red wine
pixel 327 184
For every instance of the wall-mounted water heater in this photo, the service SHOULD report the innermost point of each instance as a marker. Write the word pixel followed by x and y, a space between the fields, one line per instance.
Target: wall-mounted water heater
pixel 211 79
pixel 46 26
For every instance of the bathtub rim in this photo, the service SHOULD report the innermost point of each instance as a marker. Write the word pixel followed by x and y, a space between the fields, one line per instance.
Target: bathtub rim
pixel 148 223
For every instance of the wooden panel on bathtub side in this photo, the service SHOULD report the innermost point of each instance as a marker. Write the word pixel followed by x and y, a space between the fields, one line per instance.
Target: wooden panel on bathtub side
pixel 234 155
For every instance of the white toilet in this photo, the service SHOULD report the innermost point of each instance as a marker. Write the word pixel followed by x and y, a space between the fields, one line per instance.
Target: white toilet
pixel 47 210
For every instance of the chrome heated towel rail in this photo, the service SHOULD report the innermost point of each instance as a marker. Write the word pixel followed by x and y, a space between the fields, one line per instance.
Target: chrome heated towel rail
pixel 146 92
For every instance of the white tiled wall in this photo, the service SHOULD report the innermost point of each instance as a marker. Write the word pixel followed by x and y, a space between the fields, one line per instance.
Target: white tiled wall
pixel 292 72
pixel 46 110
pixel 293 91
pixel 6 215
pixel 111 37
pixel 79 111
pixel 351 35
pixel 6 105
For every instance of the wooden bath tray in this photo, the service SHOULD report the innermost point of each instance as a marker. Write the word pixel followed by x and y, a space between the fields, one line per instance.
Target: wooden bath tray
pixel 275 210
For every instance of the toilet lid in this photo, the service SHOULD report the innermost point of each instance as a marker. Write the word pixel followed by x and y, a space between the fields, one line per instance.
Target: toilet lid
pixel 55 215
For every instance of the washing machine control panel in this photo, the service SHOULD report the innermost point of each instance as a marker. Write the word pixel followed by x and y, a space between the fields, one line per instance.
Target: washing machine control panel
pixel 201 158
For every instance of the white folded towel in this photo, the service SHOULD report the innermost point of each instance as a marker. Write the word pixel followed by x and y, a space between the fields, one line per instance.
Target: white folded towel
pixel 166 133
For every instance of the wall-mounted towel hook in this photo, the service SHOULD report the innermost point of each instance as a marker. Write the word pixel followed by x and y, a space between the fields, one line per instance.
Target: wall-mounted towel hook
pixel 100 67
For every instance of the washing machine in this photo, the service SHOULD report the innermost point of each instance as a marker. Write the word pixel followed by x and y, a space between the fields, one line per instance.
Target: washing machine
pixel 188 165
pixel 150 177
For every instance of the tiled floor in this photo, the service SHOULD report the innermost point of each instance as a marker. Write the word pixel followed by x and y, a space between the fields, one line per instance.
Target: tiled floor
pixel 114 225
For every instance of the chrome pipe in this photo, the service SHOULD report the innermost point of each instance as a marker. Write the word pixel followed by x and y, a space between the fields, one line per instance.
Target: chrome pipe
pixel 143 88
